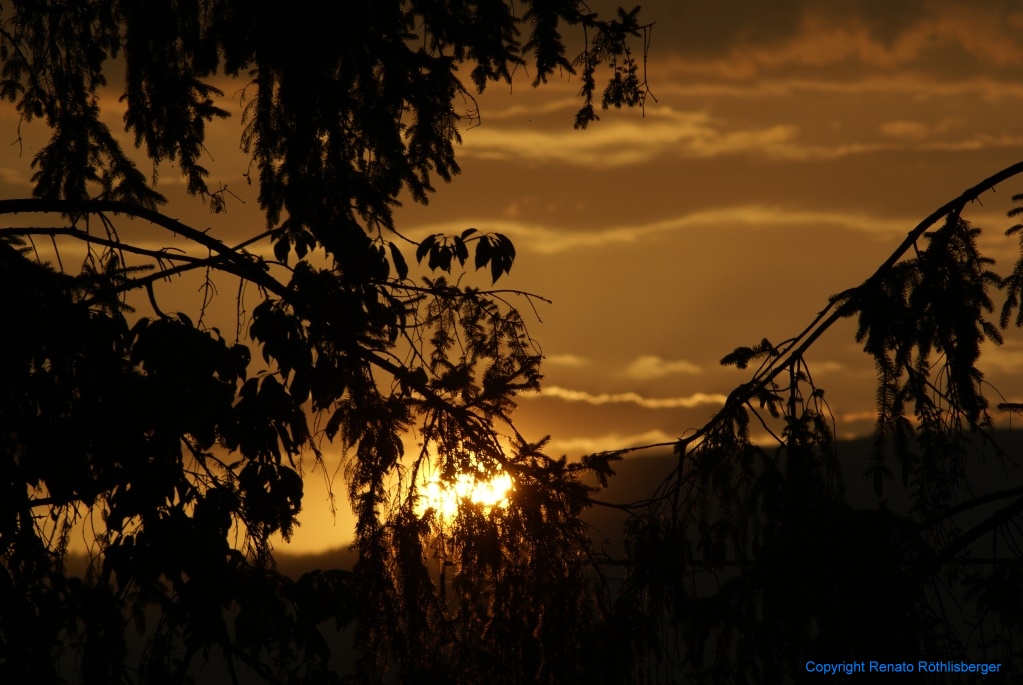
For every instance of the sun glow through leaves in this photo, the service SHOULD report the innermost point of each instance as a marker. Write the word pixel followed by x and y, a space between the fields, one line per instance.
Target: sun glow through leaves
pixel 445 498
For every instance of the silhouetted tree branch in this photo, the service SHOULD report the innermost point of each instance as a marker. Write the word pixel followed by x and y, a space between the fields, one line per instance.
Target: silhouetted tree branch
pixel 185 454
pixel 767 530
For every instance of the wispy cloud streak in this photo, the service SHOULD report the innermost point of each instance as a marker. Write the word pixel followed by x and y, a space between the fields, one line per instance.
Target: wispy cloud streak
pixel 983 37
pixel 569 360
pixel 548 240
pixel 652 366
pixel 609 441
pixel 625 142
pixel 689 402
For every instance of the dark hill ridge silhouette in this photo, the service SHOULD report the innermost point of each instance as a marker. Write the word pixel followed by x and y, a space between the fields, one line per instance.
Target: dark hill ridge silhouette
pixel 294 565
pixel 637 474
pixel 636 477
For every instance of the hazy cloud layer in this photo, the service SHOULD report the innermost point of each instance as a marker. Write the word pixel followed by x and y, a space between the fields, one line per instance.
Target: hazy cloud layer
pixel 687 402
pixel 652 366
pixel 623 142
pixel 744 38
pixel 553 240
pixel 567 360
pixel 667 133
pixel 1006 359
pixel 608 441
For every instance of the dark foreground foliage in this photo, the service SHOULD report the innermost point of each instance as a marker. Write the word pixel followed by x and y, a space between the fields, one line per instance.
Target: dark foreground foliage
pixel 181 449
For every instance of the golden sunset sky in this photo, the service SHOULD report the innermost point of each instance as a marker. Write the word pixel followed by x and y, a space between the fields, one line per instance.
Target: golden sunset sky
pixel 791 147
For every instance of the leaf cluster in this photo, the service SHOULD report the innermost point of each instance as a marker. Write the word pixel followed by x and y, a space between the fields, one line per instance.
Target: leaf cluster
pixel 336 130
pixel 127 425
pixel 181 444
pixel 494 249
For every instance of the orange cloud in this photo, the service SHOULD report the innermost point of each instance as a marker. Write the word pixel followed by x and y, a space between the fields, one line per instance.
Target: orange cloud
pixel 694 400
pixel 571 360
pixel 552 240
pixel 625 141
pixel 608 441
pixel 915 130
pixel 651 366
pixel 988 37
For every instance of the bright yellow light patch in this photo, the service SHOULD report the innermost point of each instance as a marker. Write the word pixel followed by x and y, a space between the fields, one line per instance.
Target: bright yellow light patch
pixel 444 498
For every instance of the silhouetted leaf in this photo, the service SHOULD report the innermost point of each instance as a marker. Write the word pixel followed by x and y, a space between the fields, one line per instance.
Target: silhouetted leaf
pixel 281 249
pixel 425 247
pixel 460 250
pixel 399 262
pixel 483 252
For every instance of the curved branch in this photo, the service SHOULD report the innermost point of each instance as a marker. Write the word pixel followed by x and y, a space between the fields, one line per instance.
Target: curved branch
pixel 106 242
pixel 993 522
pixel 245 266
pixel 800 344
pixel 80 207
pixel 239 263
pixel 972 504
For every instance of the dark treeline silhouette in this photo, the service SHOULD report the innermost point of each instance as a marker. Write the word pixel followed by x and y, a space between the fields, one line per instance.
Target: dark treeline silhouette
pixel 160 435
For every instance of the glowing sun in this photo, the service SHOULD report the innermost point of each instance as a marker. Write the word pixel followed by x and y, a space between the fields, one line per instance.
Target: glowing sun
pixel 444 498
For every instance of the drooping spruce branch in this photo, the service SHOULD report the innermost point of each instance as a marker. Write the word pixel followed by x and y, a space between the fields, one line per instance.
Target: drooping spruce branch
pixel 842 305
pixel 747 559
